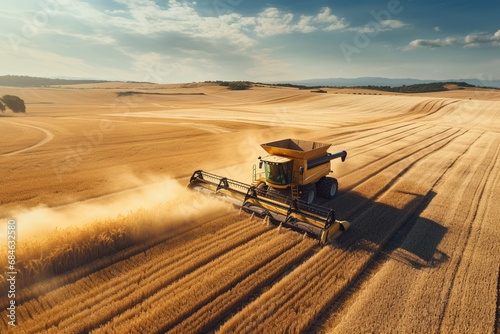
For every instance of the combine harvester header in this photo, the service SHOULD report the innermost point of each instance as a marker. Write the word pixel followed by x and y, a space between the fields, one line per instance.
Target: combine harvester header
pixel 294 172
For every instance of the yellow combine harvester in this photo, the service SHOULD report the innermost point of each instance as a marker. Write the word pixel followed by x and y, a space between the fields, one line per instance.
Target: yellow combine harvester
pixel 284 188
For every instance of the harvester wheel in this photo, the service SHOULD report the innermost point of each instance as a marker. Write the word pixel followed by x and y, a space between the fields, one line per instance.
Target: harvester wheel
pixel 308 193
pixel 328 187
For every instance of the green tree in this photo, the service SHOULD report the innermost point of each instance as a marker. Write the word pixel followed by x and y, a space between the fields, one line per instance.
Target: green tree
pixel 2 107
pixel 14 103
pixel 239 85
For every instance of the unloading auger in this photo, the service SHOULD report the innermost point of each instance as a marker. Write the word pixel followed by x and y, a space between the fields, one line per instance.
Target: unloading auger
pixel 294 172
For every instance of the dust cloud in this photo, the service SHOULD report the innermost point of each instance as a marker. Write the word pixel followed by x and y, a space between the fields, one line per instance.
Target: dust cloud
pixel 154 200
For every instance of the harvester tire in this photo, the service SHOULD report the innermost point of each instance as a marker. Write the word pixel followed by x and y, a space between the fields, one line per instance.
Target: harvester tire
pixel 308 193
pixel 328 187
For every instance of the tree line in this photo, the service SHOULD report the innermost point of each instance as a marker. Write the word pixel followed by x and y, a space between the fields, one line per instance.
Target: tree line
pixel 233 85
pixel 417 88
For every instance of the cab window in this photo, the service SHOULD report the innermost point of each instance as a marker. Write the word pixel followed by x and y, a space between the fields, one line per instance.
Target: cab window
pixel 279 174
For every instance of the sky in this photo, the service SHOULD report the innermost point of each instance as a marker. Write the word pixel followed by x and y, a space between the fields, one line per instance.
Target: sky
pixel 175 41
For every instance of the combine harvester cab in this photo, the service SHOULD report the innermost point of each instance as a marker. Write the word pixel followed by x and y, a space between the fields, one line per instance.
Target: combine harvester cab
pixel 284 192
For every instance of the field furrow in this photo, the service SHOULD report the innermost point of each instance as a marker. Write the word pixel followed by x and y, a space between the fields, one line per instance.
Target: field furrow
pixel 350 203
pixel 372 143
pixel 176 302
pixel 403 150
pixel 269 302
pixel 361 138
pixel 212 313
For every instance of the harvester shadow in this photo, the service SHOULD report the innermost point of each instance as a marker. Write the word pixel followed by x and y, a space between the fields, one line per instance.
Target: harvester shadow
pixel 389 233
pixel 400 234
pixel 418 247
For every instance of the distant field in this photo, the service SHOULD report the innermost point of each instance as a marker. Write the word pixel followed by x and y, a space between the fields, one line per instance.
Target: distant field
pixel 111 241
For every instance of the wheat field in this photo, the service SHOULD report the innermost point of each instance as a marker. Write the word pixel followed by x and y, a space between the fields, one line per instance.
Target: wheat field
pixel 110 241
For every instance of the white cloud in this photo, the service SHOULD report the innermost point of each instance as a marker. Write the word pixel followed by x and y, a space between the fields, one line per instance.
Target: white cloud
pixel 393 24
pixel 324 16
pixel 333 22
pixel 336 26
pixel 437 29
pixel 304 24
pixel 470 41
pixel 374 27
pixel 275 22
